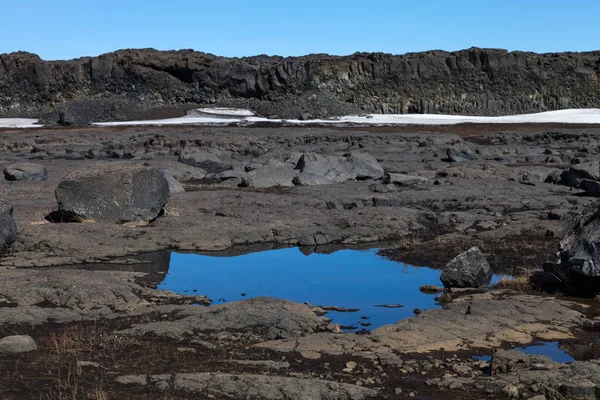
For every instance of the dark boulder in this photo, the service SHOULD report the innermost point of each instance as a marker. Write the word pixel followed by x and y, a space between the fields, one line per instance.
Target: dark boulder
pixel 210 160
pixel 459 153
pixel 574 175
pixel 24 171
pixel 8 229
pixel 579 262
pixel 114 192
pixel 468 269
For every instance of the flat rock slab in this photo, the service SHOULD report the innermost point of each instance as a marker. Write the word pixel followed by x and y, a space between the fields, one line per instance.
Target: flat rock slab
pixel 492 322
pixel 24 171
pixel 17 344
pixel 250 386
pixel 114 192
pixel 261 316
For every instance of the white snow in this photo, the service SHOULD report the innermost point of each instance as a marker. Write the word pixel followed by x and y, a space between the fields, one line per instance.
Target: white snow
pixel 238 112
pixel 19 123
pixel 246 117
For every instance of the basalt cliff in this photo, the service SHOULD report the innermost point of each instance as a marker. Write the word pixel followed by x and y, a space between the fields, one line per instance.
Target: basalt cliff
pixel 128 83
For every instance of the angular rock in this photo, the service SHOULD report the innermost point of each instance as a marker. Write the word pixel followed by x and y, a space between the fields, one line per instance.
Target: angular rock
pixel 364 166
pixel 114 192
pixel 580 252
pixel 468 269
pixel 355 165
pixel 460 153
pixel 174 185
pixel 210 160
pixel 17 344
pixel 183 172
pixel 306 179
pixel 276 174
pixel 573 176
pixel 591 188
pixel 24 171
pixel 8 229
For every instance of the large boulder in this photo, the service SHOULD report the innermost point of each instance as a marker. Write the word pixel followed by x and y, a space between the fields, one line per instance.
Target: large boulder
pixel 459 153
pixel 114 192
pixel 468 269
pixel 210 160
pixel 364 166
pixel 24 171
pixel 580 252
pixel 275 174
pixel 318 169
pixel 8 229
pixel 574 175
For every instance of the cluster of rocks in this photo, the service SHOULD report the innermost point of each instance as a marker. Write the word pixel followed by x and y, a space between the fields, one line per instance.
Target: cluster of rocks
pixel 515 375
pixel 296 169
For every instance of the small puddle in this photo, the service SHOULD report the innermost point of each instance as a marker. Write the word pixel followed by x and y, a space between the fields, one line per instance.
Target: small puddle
pixel 550 349
pixel 382 290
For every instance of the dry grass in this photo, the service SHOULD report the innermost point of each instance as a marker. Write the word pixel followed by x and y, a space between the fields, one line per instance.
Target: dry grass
pixel 84 340
pixel 518 283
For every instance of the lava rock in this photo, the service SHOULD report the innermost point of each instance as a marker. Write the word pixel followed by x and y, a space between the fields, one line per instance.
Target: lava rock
pixel 315 168
pixel 17 344
pixel 24 171
pixel 114 192
pixel 460 153
pixel 276 174
pixel 174 185
pixel 468 269
pixel 574 175
pixel 210 160
pixel 8 229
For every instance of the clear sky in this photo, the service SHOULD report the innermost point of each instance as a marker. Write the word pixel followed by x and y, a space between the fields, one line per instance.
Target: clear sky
pixel 60 29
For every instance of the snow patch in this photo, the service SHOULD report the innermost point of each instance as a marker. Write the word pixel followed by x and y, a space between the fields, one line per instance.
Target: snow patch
pixel 19 123
pixel 225 116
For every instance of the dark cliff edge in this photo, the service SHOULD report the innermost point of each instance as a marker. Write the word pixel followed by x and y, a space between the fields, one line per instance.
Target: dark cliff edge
pixel 127 83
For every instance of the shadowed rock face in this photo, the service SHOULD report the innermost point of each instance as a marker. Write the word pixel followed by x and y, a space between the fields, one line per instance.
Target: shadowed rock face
pixel 474 81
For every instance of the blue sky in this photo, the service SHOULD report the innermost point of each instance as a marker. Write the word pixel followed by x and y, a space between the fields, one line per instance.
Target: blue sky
pixel 62 29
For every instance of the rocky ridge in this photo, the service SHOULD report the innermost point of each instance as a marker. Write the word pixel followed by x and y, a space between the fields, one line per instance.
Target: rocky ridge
pixel 127 83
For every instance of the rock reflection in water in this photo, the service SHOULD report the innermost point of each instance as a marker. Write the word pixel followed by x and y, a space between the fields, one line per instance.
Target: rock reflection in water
pixel 346 279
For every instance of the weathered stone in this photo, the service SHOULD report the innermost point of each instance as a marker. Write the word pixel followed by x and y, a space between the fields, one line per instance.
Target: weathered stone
pixel 355 165
pixel 183 172
pixel 505 361
pixel 573 176
pixel 592 188
pixel 174 186
pixel 275 174
pixel 8 229
pixel 210 160
pixel 114 192
pixel 17 344
pixel 24 171
pixel 468 269
pixel 460 153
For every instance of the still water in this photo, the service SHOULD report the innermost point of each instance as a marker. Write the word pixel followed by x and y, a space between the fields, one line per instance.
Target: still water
pixel 351 279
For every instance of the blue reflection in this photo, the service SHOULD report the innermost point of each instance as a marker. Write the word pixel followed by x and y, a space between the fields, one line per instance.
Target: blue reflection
pixel 347 278
pixel 550 349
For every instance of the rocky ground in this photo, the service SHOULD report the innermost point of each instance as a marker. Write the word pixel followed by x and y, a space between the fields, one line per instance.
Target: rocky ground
pixel 80 288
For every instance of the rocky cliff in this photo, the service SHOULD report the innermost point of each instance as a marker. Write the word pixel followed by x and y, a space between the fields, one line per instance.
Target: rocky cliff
pixel 474 81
